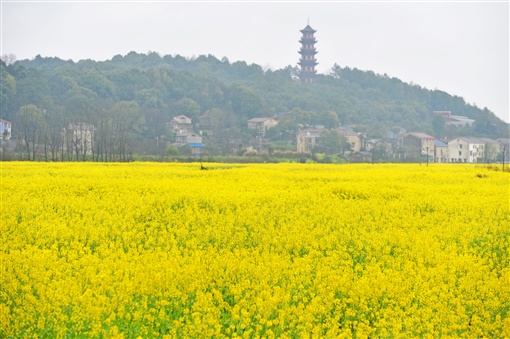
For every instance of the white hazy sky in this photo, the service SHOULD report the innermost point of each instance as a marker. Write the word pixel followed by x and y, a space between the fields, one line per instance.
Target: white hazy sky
pixel 458 47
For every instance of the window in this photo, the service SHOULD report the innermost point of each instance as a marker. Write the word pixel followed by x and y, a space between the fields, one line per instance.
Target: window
pixel 460 153
pixel 460 146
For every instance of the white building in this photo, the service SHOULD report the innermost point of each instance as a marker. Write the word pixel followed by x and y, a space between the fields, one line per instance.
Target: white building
pixel 5 130
pixel 472 150
pixel 188 138
pixel 78 137
pixel 193 140
pixel 181 124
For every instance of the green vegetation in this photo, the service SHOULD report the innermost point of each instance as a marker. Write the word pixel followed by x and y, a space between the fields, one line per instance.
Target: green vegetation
pixel 129 99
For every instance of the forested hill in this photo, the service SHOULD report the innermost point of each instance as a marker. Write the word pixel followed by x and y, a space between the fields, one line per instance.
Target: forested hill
pixel 161 87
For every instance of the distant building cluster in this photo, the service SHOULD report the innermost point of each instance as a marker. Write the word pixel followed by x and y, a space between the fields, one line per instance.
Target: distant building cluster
pixel 397 145
pixel 182 127
pixel 401 146
pixel 454 120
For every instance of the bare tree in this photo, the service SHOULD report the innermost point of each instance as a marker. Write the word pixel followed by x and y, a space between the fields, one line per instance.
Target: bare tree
pixel 54 125
pixel 30 120
pixel 490 152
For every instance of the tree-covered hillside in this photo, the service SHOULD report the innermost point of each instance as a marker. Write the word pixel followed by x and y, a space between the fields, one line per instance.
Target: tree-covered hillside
pixel 145 91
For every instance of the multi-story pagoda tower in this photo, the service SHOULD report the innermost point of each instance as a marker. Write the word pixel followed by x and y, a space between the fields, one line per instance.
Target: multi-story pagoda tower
pixel 307 52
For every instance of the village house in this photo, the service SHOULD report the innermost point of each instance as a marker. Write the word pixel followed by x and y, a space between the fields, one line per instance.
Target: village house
pixel 417 144
pixel 440 151
pixel 181 124
pixel 262 124
pixel 308 139
pixel 188 138
pixel 5 130
pixel 192 140
pixel 473 150
pixel 78 137
pixel 352 137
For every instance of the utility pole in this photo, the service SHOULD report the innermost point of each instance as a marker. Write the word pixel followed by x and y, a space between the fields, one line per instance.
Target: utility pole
pixel 504 152
pixel 427 156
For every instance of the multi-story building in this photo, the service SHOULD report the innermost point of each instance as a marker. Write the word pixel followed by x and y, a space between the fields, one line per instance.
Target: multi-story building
pixel 473 150
pixel 416 144
pixel 308 139
pixel 181 124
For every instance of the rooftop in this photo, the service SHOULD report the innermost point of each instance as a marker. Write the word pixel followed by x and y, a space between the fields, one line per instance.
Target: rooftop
pixel 308 29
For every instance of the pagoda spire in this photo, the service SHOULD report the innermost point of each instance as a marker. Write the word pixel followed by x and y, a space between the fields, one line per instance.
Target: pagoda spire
pixel 307 52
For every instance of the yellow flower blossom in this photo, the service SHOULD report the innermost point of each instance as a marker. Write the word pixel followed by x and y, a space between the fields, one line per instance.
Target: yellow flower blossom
pixel 254 251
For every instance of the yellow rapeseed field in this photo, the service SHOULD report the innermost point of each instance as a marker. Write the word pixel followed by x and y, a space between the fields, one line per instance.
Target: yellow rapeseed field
pixel 91 250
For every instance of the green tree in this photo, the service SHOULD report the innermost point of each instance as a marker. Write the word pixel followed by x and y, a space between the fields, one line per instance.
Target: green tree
pixel 484 127
pixel 336 71
pixel 54 122
pixel 329 119
pixel 302 117
pixel 245 102
pixel 330 142
pixel 187 107
pixel 150 98
pixel 99 83
pixel 438 126
pixel 7 92
pixel 80 104
pixel 172 150
pixel 34 89
pixel 127 123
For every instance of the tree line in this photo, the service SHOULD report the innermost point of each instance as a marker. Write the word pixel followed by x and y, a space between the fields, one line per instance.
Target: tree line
pixel 130 99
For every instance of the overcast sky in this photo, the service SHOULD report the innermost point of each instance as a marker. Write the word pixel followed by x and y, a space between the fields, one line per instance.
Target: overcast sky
pixel 459 47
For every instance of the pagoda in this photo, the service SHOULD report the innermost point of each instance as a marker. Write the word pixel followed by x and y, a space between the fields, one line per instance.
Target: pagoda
pixel 307 52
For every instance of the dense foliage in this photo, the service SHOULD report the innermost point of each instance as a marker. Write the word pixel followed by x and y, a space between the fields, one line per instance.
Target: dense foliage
pixel 161 87
pixel 290 251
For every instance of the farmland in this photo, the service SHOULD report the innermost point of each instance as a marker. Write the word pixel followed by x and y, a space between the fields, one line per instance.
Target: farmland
pixel 270 250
